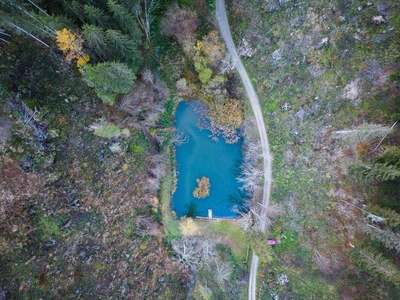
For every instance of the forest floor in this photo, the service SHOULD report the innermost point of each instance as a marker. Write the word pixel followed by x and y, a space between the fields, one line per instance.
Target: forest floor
pixel 318 67
pixel 77 219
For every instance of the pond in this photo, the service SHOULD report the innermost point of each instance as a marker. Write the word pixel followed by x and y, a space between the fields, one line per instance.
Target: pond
pixel 201 156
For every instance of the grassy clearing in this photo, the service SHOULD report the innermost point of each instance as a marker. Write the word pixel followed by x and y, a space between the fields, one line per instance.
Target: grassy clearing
pixel 171 224
pixel 230 233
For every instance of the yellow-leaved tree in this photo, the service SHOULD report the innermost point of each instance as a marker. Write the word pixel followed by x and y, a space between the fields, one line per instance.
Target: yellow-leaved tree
pixel 71 45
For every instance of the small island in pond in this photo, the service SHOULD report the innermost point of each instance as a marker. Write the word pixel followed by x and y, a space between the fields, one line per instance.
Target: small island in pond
pixel 203 188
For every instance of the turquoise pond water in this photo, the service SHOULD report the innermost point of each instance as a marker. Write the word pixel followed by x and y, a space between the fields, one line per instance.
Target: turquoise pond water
pixel 202 156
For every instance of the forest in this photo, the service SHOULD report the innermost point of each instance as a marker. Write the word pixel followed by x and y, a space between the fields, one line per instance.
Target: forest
pixel 88 92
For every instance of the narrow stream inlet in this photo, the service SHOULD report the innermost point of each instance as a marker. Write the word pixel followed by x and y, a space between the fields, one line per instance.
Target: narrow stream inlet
pixel 202 156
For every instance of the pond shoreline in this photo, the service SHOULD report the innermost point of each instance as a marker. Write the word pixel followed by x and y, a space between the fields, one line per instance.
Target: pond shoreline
pixel 203 156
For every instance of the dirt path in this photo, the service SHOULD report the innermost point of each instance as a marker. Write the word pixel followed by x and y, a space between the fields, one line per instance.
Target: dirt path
pixel 267 159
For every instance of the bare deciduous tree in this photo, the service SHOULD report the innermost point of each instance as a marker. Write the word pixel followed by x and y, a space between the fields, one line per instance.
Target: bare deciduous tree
pixel 148 77
pixel 179 23
pixel 227 64
pixel 250 177
pixel 224 270
pixel 144 17
pixel 187 251
pixel 322 262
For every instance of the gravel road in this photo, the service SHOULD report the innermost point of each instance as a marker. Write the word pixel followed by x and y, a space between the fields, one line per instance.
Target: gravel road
pixel 267 159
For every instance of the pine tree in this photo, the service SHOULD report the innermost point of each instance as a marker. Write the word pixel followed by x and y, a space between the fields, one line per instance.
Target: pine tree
pixel 125 19
pixel 389 216
pixel 376 264
pixel 109 79
pixel 125 47
pixel 96 39
pixel 96 16
pixel 376 171
pixel 390 239
pixel 391 157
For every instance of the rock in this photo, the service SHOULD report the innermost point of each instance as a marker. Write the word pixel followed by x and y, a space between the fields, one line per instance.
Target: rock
pixel 276 56
pixel 26 163
pixel 322 43
pixel 300 114
pixel 5 129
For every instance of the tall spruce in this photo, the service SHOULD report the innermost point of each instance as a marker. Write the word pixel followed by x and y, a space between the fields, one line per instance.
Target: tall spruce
pixel 96 39
pixel 125 19
pixel 125 47
pixel 375 171
pixel 109 79
pixel 376 264
pixel 96 16
pixel 386 236
pixel 389 217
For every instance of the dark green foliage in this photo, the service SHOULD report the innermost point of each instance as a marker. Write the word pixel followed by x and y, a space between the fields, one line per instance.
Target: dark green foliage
pixel 77 8
pixel 125 47
pixel 95 38
pixel 96 16
pixel 395 77
pixel 386 236
pixel 391 157
pixel 376 171
pixel 376 264
pixel 125 19
pixel 166 117
pixel 387 194
pixel 192 210
pixel 109 79
pixel 391 217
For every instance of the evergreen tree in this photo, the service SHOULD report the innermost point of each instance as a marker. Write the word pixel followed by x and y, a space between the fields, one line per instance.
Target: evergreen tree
pixel 96 16
pixel 259 244
pixel 391 157
pixel 125 48
pixel 125 19
pixel 376 264
pixel 376 171
pixel 109 79
pixel 96 39
pixel 390 239
pixel 389 216
pixel 77 8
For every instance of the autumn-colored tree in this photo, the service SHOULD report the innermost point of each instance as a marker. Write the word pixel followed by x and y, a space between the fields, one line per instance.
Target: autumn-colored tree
pixel 227 112
pixel 213 48
pixel 71 45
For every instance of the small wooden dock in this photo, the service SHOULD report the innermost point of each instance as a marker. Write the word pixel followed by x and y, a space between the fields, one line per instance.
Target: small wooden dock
pixel 210 217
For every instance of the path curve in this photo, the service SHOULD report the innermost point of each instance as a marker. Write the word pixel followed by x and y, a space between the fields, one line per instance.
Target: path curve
pixel 267 159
